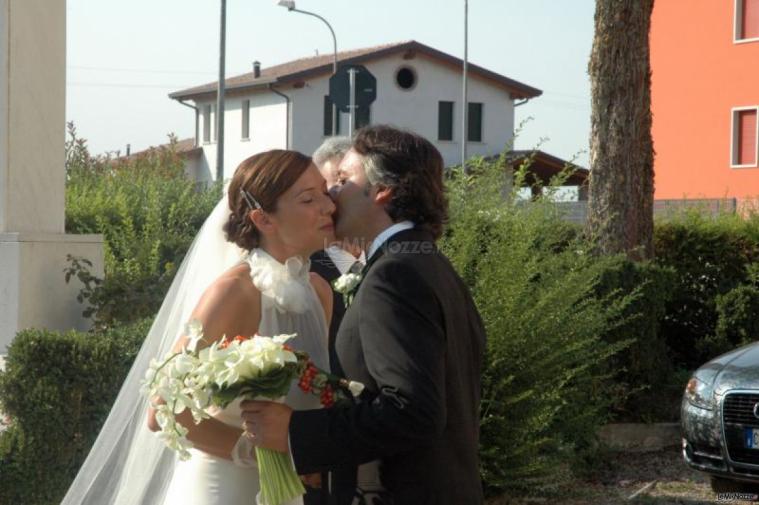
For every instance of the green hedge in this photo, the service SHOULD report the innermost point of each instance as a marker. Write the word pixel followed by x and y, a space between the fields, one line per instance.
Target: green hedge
pixel 546 383
pixel 711 258
pixel 647 387
pixel 148 212
pixel 57 390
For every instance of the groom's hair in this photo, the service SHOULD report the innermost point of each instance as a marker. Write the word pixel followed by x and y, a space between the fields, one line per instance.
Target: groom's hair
pixel 413 168
pixel 263 178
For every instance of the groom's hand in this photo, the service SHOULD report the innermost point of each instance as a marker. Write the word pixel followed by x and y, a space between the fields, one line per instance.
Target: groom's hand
pixel 267 424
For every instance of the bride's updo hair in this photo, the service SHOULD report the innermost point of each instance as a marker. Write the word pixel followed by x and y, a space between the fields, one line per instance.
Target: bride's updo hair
pixel 265 176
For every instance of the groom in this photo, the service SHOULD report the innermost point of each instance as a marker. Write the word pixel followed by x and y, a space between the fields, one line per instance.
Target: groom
pixel 412 336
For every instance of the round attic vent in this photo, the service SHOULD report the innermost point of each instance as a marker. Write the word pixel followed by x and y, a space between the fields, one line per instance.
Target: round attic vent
pixel 405 78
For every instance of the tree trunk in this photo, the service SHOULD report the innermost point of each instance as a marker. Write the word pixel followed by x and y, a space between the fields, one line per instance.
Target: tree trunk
pixel 621 192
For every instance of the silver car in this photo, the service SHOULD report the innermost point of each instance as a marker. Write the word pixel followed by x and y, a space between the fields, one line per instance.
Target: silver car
pixel 720 420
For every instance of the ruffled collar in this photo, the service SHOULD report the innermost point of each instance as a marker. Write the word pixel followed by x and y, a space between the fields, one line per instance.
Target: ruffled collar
pixel 287 285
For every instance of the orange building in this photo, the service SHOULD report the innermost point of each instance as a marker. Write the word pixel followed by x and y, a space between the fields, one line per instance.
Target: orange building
pixel 705 97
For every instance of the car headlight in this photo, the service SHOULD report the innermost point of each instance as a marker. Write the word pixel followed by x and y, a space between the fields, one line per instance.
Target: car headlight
pixel 699 394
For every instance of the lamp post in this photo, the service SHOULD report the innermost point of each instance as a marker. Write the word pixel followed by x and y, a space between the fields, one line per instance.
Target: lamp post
pixel 290 4
pixel 465 106
pixel 220 95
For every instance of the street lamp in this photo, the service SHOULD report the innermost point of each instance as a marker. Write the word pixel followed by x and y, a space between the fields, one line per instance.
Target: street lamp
pixel 465 107
pixel 290 4
pixel 220 92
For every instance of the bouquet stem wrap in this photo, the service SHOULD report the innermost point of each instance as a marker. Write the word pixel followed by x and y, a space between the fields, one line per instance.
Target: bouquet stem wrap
pixel 276 470
pixel 279 481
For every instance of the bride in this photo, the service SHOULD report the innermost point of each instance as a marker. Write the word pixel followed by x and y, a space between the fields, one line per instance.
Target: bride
pixel 245 273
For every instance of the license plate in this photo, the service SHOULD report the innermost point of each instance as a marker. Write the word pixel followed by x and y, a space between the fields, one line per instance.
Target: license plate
pixel 751 438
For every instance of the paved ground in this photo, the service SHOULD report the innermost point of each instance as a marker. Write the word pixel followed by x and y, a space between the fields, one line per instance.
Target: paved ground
pixel 662 476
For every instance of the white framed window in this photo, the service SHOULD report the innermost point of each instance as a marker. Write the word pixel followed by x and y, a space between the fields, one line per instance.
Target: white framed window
pixel 744 137
pixel 207 124
pixel 746 21
pixel 246 119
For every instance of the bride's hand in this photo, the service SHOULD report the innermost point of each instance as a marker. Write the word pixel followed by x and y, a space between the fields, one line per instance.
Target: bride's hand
pixel 313 480
pixel 267 423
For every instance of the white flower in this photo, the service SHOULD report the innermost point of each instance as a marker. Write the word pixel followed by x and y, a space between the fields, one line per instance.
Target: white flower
pixel 183 364
pixel 194 332
pixel 186 381
pixel 346 282
pixel 355 388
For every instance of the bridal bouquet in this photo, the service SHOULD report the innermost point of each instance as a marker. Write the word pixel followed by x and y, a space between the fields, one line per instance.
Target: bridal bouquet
pixel 242 367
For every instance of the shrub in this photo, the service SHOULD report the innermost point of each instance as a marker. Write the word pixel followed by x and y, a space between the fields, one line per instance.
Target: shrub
pixel 737 319
pixel 57 390
pixel 545 382
pixel 648 387
pixel 148 213
pixel 710 257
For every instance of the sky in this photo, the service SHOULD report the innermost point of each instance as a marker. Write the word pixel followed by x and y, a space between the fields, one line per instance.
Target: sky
pixel 125 57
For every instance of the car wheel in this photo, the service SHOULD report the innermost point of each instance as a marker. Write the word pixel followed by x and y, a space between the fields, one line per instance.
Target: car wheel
pixel 722 485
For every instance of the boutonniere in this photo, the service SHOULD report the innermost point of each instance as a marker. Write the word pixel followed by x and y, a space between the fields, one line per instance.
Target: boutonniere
pixel 347 284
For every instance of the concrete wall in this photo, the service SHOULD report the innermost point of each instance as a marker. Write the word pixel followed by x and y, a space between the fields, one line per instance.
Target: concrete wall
pixel 35 294
pixel 33 247
pixel 700 73
pixel 268 119
pixel 416 110
pixel 32 115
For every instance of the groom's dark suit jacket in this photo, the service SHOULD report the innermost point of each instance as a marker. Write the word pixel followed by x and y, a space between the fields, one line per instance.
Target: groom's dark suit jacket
pixel 414 337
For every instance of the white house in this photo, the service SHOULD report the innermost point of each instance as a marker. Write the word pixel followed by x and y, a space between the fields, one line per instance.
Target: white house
pixel 418 88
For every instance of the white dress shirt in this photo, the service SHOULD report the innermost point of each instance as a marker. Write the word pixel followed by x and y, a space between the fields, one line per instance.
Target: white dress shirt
pixel 386 234
pixel 342 259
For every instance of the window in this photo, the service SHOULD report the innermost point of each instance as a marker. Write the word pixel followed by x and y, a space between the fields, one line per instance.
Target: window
pixel 246 119
pixel 744 142
pixel 363 117
pixel 405 78
pixel 746 20
pixel 206 123
pixel 328 118
pixel 445 120
pixel 474 133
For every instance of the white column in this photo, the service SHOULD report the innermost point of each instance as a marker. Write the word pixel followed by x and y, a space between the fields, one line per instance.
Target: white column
pixel 33 244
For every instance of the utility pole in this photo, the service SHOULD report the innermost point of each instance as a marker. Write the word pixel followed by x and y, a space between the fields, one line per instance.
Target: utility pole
pixel 220 95
pixel 465 105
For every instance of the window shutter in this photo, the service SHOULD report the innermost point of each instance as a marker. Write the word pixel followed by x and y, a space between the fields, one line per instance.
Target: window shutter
pixel 747 137
pixel 445 120
pixel 474 122
pixel 750 19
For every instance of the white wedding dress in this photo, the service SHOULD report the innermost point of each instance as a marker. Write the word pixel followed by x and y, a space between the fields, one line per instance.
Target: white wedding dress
pixel 128 464
pixel 289 304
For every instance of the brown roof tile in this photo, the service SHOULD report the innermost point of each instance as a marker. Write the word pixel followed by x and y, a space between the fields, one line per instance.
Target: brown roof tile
pixel 315 65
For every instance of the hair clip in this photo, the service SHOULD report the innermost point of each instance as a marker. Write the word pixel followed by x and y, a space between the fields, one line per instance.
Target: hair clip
pixel 252 202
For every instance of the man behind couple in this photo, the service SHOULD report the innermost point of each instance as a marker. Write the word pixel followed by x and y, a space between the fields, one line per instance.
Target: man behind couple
pixel 411 335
